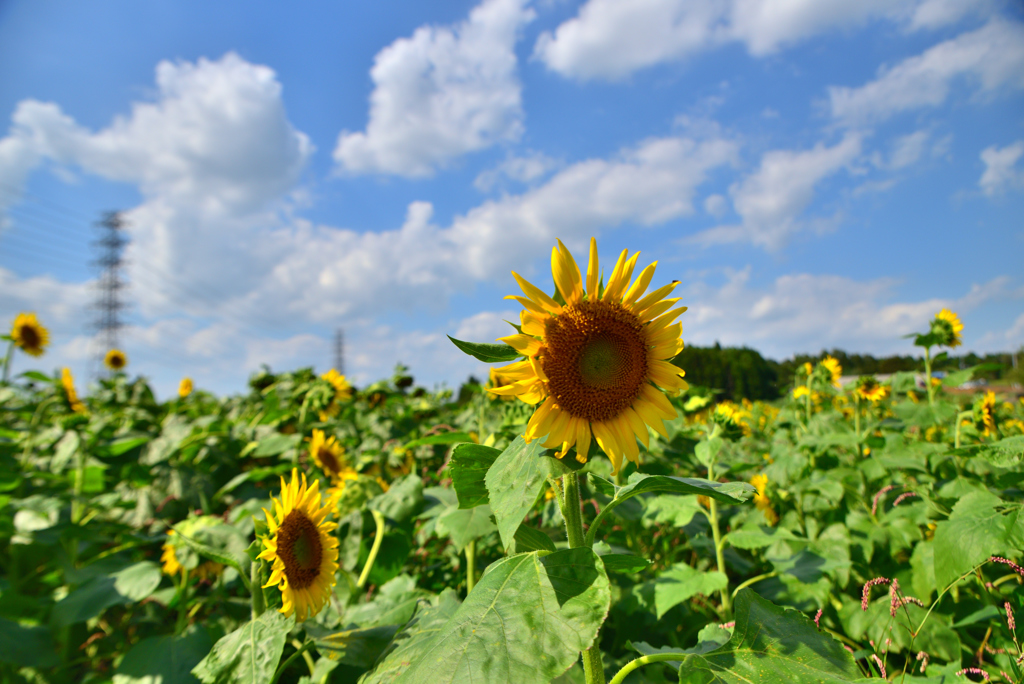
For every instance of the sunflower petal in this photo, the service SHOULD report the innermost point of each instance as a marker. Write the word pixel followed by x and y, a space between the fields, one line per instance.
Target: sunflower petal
pixel 566 274
pixel 593 276
pixel 537 295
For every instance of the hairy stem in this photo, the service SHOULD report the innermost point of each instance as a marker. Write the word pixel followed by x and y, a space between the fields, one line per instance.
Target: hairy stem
pixel 593 669
pixel 645 660
pixel 470 565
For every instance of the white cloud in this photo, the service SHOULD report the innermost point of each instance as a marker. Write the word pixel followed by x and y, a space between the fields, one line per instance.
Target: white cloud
pixel 989 57
pixel 611 40
pixel 804 312
pixel 1001 170
pixel 908 149
pixel 442 93
pixel 772 200
pixel 523 169
pixel 716 205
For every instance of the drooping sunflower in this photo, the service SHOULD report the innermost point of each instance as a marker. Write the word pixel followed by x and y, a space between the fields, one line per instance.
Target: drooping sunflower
pixel 301 548
pixel 342 392
pixel 946 326
pixel 29 334
pixel 835 370
pixel 68 381
pixel 869 389
pixel 330 456
pixel 185 387
pixel 597 363
pixel 115 360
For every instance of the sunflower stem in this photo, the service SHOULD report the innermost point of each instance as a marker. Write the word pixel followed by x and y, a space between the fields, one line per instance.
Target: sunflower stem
pixel 284 666
pixel 719 545
pixel 593 669
pixel 259 604
pixel 77 505
pixel 378 518
pixel 7 361
pixel 645 660
pixel 470 565
pixel 182 602
pixel 956 431
pixel 928 375
pixel 856 422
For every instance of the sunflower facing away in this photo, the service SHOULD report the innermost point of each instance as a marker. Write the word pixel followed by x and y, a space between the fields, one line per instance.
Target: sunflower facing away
pixel 115 360
pixel 869 389
pixel 342 392
pixel 302 548
pixel 29 335
pixel 597 364
pixel 68 381
pixel 330 456
pixel 835 371
pixel 985 412
pixel 171 565
pixel 947 327
pixel 185 387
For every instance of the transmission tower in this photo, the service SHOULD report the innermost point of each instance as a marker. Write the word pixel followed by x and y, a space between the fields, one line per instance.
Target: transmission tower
pixel 339 351
pixel 109 301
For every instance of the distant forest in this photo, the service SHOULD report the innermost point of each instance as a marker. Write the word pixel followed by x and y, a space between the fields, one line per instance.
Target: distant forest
pixel 739 372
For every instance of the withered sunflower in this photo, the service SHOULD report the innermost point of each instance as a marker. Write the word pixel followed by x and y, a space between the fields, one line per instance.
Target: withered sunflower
pixel 330 456
pixel 597 364
pixel 29 334
pixel 301 547
pixel 115 360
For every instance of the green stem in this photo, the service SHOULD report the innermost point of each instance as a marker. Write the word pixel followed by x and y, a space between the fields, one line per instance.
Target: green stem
pixel 719 545
pixel 378 518
pixel 77 505
pixel 956 430
pixel 259 604
pixel 928 375
pixel 284 666
pixel 7 362
pixel 593 669
pixel 753 580
pixel 856 422
pixel 305 655
pixel 182 602
pixel 470 565
pixel 645 660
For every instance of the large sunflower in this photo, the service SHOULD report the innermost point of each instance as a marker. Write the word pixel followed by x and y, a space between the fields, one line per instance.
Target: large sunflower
pixel 115 360
pixel 68 381
pixel 330 456
pixel 597 363
pixel 301 547
pixel 947 326
pixel 29 334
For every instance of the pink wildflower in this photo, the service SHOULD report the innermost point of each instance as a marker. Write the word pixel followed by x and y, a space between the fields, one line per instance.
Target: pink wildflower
pixel 894 597
pixel 923 657
pixel 1006 676
pixel 911 599
pixel 728 625
pixel 1009 616
pixel 973 670
pixel 881 665
pixel 901 497
pixel 865 593
pixel 1006 561
pixel 881 492
pixel 817 618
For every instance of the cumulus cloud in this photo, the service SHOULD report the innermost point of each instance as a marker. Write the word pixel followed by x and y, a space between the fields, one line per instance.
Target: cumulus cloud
pixel 805 312
pixel 442 93
pixel 522 169
pixel 989 58
pixel 610 40
pixel 1001 170
pixel 772 200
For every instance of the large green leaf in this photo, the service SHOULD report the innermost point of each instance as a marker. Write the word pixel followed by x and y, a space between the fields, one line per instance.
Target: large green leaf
pixel 222 544
pixel 441 438
pixel 131 584
pixel 463 526
pixel 249 655
pixel 514 482
pixel 356 647
pixel 974 531
pixel 403 499
pixel 525 621
pixel 26 646
pixel 771 644
pixel 529 539
pixel 393 605
pixel 642 483
pixel 467 468
pixel 487 352
pixel 414 639
pixel 680 582
pixel 164 659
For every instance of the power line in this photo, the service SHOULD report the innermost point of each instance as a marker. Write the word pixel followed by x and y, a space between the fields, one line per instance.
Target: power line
pixel 339 351
pixel 110 284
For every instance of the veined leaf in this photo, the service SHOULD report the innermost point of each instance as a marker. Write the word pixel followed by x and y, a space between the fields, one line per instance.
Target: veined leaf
pixel 468 468
pixel 514 482
pixel 249 655
pixel 487 352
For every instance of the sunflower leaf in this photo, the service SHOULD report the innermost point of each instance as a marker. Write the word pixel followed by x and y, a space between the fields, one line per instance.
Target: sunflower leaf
pixel 487 352
pixel 226 556
pixel 442 438
pixel 248 655
pixel 514 482
pixel 468 467
pixel 559 599
pixel 641 483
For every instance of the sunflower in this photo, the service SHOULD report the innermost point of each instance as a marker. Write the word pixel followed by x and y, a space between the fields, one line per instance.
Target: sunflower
pixel 330 456
pixel 497 380
pixel 761 500
pixel 835 371
pixel 171 565
pixel 68 381
pixel 28 334
pixel 800 391
pixel 946 326
pixel 342 392
pixel 869 389
pixel 185 387
pixel 985 413
pixel 730 417
pixel 592 363
pixel 115 360
pixel 301 547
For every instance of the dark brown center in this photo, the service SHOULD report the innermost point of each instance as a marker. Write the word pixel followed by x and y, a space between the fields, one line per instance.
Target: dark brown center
pixel 595 359
pixel 29 337
pixel 329 461
pixel 299 548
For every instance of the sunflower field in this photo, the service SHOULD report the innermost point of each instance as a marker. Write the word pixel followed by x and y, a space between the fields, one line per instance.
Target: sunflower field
pixel 585 516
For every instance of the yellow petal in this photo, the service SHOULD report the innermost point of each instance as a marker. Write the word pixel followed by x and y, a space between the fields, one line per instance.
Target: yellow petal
pixel 537 420
pixel 666 375
pixel 606 440
pixel 566 274
pixel 636 423
pixel 582 441
pixel 524 344
pixel 638 288
pixel 535 293
pixel 527 304
pixel 616 275
pixel 663 321
pixel 533 324
pixel 655 296
pixel 656 310
pixel 655 397
pixel 592 271
pixel 650 415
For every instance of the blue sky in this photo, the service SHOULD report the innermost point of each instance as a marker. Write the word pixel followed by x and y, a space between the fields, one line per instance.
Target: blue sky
pixel 817 174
